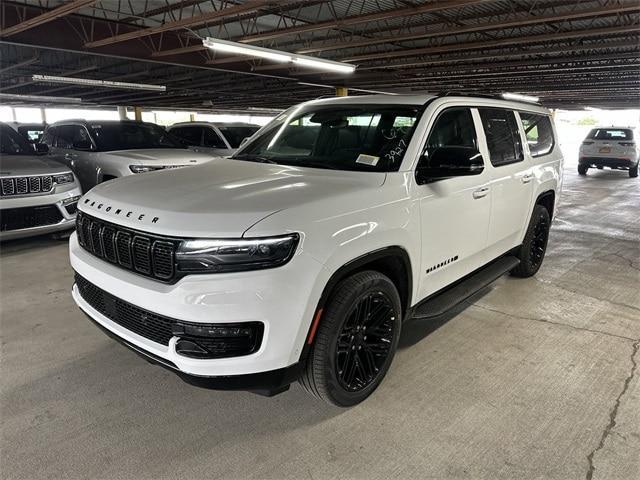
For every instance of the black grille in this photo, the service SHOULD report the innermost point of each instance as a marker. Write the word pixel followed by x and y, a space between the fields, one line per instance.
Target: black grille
pixel 139 252
pixel 198 340
pixel 26 185
pixel 29 217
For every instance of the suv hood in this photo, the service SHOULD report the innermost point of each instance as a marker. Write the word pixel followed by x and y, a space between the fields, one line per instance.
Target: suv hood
pixel 159 156
pixel 222 198
pixel 29 165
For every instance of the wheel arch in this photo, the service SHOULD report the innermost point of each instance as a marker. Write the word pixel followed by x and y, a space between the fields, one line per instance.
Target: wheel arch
pixel 548 200
pixel 393 262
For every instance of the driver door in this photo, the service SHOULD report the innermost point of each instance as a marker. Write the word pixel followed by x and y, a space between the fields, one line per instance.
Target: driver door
pixel 455 212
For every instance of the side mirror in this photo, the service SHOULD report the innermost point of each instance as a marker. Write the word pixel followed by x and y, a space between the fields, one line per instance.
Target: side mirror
pixel 41 148
pixel 82 145
pixel 446 162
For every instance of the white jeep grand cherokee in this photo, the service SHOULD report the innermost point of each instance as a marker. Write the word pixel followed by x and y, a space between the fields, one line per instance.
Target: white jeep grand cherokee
pixel 300 257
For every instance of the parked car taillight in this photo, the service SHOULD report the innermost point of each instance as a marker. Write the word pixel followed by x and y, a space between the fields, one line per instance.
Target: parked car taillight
pixel 628 144
pixel 587 143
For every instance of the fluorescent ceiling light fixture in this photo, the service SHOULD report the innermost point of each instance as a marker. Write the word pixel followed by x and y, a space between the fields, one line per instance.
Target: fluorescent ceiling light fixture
pixel 323 64
pixel 520 98
pixel 265 109
pixel 242 49
pixel 277 55
pixel 88 82
pixel 39 98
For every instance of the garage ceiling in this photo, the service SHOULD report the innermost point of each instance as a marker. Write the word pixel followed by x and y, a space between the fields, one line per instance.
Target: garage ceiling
pixel 572 54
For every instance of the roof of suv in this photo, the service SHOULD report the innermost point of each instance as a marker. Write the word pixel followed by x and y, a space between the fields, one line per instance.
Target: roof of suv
pixel 82 121
pixel 215 124
pixel 421 99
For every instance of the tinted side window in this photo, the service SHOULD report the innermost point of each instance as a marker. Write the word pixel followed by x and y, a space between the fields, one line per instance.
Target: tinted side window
pixel 212 139
pixel 503 136
pixel 192 136
pixel 49 136
pixel 453 127
pixel 539 133
pixel 64 136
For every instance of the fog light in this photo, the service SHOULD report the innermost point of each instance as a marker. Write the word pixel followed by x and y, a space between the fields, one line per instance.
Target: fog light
pixel 217 341
pixel 69 200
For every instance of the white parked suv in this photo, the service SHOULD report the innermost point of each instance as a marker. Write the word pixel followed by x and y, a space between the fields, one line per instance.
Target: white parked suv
pixel 37 194
pixel 300 257
pixel 98 151
pixel 220 139
pixel 612 147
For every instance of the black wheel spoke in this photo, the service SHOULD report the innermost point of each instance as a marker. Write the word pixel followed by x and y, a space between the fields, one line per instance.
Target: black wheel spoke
pixel 364 343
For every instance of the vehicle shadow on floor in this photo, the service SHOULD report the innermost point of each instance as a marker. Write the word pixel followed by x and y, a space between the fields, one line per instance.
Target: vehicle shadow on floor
pixel 415 330
pixel 19 246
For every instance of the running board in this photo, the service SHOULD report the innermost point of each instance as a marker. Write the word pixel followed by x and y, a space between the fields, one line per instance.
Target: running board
pixel 447 299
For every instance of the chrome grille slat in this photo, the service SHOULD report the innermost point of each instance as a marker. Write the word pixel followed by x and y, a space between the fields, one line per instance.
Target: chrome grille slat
pixel 35 184
pixel 138 252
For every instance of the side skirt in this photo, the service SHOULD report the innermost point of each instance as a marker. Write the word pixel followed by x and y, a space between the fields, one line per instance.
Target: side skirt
pixel 444 300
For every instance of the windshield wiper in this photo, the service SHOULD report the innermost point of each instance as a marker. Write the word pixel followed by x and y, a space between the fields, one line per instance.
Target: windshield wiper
pixel 253 158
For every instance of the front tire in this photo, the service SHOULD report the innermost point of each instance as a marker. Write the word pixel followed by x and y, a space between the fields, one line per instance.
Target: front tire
pixel 356 340
pixel 582 170
pixel 534 246
pixel 633 172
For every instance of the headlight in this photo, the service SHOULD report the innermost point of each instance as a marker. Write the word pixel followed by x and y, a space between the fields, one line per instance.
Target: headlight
pixel 151 168
pixel 63 178
pixel 213 256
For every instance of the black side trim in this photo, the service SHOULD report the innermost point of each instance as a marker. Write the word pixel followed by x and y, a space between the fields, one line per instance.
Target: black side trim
pixel 447 298
pixel 267 383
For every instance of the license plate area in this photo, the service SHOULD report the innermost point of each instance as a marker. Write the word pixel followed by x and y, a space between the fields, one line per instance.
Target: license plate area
pixel 605 149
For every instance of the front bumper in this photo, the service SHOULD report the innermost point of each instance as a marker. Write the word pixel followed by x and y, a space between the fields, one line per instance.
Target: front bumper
pixel 56 199
pixel 283 299
pixel 609 162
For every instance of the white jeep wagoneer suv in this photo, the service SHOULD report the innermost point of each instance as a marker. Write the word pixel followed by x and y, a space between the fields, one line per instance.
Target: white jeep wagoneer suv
pixel 300 257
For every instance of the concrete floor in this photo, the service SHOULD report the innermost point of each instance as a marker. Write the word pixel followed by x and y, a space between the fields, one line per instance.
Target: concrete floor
pixel 534 378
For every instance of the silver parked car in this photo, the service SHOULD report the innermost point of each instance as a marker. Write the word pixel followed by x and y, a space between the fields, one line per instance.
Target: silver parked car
pixel 37 194
pixel 98 151
pixel 219 139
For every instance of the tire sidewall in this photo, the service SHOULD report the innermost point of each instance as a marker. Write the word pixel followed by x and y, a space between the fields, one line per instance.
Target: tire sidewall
pixel 338 315
pixel 539 214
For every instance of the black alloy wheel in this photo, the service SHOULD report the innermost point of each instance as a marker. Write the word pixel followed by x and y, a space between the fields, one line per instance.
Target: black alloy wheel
pixel 534 246
pixel 365 341
pixel 355 341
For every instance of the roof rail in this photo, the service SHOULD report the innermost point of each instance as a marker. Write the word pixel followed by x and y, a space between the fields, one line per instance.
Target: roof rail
pixel 454 93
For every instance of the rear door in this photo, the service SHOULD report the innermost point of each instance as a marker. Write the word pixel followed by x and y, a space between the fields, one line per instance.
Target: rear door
pixel 511 179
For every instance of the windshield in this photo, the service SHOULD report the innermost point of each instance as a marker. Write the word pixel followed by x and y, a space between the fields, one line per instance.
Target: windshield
pixel 12 143
pixel 131 136
pixel 341 137
pixel 235 135
pixel 611 134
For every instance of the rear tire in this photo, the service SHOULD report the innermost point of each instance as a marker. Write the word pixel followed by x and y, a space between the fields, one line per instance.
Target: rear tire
pixel 582 170
pixel 633 172
pixel 356 340
pixel 531 252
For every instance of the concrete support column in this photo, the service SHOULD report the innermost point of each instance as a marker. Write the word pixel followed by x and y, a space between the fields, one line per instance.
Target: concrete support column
pixel 192 117
pixel 342 91
pixel 43 114
pixel 122 112
pixel 137 111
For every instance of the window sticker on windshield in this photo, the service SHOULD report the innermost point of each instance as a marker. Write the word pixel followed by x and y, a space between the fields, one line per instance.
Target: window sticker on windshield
pixel 367 159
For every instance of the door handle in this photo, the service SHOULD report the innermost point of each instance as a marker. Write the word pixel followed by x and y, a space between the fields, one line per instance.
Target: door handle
pixel 527 178
pixel 481 192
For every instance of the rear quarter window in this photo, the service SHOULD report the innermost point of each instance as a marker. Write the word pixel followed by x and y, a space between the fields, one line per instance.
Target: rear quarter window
pixel 539 132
